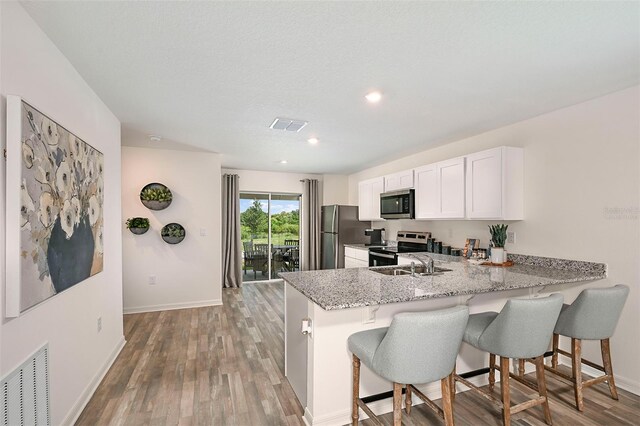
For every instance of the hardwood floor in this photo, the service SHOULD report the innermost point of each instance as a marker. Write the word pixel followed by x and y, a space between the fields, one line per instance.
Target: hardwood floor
pixel 221 365
pixel 224 365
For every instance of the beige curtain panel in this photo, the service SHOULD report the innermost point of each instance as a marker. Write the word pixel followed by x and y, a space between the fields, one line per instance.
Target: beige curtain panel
pixel 310 259
pixel 231 243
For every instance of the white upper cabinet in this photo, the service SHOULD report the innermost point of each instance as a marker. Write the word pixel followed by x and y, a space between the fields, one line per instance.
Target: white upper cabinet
pixel 451 186
pixel 398 181
pixel 426 201
pixel 440 190
pixel 495 184
pixel 369 198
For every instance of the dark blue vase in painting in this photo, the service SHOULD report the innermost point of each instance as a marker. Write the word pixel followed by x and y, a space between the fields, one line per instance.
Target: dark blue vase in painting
pixel 70 259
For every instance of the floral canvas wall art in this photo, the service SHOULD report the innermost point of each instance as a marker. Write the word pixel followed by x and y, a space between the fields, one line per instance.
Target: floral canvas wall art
pixel 61 211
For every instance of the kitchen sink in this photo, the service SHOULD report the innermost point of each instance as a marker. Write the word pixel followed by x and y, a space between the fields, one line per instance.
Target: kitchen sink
pixel 406 270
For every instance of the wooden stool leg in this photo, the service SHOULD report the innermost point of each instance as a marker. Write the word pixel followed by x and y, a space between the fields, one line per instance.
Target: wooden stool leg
pixel 504 386
pixel 356 390
pixel 492 371
pixel 608 368
pixel 452 381
pixel 397 404
pixel 554 357
pixel 542 387
pixel 521 367
pixel 576 371
pixel 447 403
pixel 407 399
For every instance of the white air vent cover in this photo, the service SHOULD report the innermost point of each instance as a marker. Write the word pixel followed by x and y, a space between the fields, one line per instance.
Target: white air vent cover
pixel 25 393
pixel 288 124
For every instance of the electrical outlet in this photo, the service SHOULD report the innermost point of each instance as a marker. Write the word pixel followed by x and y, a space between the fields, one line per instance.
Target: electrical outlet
pixel 203 232
pixel 99 324
pixel 152 280
pixel 511 237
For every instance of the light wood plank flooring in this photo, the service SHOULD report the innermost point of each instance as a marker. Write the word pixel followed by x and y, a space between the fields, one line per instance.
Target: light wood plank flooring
pixel 224 365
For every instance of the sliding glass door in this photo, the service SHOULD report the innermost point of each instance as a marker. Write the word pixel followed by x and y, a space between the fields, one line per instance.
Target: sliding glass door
pixel 270 224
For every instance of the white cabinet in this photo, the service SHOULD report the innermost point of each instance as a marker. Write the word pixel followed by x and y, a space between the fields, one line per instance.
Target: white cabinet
pixel 356 257
pixel 440 190
pixel 397 181
pixel 369 198
pixel 495 184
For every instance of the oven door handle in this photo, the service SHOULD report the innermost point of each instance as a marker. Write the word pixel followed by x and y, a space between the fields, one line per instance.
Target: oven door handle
pixel 388 256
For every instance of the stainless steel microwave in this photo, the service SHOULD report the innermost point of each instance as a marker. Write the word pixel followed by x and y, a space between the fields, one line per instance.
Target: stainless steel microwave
pixel 397 204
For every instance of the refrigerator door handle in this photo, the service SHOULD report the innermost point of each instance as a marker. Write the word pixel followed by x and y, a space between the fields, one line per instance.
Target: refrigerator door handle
pixel 333 220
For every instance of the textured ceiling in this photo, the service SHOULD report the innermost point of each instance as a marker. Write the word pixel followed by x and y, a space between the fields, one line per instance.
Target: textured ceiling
pixel 214 75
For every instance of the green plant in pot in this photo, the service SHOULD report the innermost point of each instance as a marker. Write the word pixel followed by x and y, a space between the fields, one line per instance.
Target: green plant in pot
pixel 138 225
pixel 173 233
pixel 156 196
pixel 498 240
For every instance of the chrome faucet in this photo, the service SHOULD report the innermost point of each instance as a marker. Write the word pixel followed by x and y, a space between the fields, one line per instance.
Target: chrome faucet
pixel 429 267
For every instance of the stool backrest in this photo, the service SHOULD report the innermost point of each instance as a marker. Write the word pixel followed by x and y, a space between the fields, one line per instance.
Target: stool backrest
pixel 421 347
pixel 594 314
pixel 524 327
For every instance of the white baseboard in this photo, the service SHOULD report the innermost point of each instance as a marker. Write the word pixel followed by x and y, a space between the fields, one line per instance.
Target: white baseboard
pixel 621 382
pixel 83 400
pixel 432 391
pixel 171 306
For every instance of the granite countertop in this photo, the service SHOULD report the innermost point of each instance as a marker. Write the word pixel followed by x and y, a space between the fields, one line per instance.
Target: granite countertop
pixel 355 287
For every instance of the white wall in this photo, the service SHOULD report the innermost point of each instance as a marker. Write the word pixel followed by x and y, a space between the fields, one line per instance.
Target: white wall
pixel 259 181
pixel 580 161
pixel 32 67
pixel 335 189
pixel 187 274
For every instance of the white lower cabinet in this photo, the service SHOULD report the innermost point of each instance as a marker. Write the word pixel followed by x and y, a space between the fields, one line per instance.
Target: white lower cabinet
pixel 356 257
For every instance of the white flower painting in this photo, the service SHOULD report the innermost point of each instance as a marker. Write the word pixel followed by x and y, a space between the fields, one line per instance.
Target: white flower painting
pixel 61 213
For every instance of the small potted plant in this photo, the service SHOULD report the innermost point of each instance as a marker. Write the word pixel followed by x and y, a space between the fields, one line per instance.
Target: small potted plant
pixel 173 233
pixel 138 225
pixel 156 196
pixel 498 239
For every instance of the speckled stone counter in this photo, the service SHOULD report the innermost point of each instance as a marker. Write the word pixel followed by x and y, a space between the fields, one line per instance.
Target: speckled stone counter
pixel 349 288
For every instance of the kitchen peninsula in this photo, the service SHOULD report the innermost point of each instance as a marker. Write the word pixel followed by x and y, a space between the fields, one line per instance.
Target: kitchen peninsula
pixel 339 302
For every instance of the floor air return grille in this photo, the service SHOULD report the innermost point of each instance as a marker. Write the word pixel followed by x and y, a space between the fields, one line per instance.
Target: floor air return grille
pixel 25 392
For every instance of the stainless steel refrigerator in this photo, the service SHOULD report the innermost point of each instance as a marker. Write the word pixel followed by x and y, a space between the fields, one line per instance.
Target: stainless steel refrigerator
pixel 340 226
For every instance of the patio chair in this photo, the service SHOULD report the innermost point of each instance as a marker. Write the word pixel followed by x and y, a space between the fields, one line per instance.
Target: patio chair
pixel 247 249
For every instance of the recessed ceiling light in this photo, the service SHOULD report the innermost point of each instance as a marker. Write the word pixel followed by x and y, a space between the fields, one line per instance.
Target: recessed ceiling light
pixel 313 141
pixel 283 161
pixel 374 97
pixel 155 138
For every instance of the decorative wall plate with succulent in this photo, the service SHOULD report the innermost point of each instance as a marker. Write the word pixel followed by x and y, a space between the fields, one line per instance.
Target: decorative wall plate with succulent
pixel 156 196
pixel 59 179
pixel 173 233
pixel 138 225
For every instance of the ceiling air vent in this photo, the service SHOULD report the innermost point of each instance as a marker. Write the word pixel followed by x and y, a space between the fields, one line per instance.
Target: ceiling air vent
pixel 288 124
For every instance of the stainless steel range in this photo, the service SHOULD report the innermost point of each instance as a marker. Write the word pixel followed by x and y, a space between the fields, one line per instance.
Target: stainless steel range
pixel 408 241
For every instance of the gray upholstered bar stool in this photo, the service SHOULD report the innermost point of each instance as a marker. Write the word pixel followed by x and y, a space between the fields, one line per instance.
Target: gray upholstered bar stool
pixel 592 316
pixel 521 330
pixel 418 347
